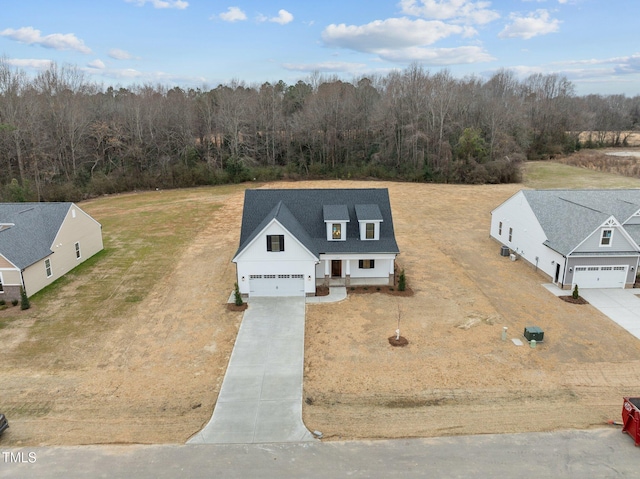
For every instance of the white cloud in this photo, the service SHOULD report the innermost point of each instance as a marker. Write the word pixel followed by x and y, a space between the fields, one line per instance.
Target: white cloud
pixel 57 41
pixel 437 56
pixel 97 63
pixel 283 17
pixel 30 63
pixel 118 54
pixel 179 4
pixel 388 34
pixel 534 24
pixel 477 13
pixel 233 14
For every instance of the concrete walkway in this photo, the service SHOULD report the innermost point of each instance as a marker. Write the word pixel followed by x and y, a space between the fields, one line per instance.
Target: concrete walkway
pixel 261 395
pixel 622 306
pixel 336 294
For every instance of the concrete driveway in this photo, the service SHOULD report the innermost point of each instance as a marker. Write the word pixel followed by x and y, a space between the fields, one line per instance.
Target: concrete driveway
pixel 621 305
pixel 261 395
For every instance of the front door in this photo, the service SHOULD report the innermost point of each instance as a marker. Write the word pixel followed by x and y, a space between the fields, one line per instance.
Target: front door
pixel 336 268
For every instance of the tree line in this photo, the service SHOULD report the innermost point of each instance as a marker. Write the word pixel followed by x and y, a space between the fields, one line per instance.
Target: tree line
pixel 64 137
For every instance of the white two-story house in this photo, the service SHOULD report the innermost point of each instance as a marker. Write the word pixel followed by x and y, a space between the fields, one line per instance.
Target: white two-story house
pixel 293 240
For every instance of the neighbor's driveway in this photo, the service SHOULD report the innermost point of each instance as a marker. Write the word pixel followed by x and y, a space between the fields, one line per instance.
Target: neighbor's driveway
pixel 261 396
pixel 621 305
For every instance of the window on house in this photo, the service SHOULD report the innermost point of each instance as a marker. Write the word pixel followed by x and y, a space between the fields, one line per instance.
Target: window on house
pixel 370 232
pixel 605 239
pixel 336 231
pixel 47 267
pixel 1 285
pixel 367 264
pixel 500 229
pixel 275 242
pixel 78 255
pixel 510 233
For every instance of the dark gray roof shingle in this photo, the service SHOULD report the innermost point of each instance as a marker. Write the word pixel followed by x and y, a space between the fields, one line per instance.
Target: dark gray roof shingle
pixel 368 213
pixel 335 212
pixel 302 213
pixel 36 226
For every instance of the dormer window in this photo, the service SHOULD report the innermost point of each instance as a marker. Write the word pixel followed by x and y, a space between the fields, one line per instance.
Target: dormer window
pixel 336 218
pixel 336 231
pixel 369 219
pixel 605 239
pixel 370 231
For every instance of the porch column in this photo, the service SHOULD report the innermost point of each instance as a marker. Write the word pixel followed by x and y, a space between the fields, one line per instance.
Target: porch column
pixel 347 272
pixel 392 275
pixel 327 271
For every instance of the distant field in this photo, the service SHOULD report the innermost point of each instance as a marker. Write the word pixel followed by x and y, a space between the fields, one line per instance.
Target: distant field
pixel 632 137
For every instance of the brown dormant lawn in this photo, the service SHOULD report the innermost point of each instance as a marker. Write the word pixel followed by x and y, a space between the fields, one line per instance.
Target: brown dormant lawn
pixel 133 347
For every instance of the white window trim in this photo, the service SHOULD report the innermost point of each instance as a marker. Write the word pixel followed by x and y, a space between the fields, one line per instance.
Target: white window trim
pixel 78 250
pixel 363 230
pixel 610 238
pixel 48 269
pixel 343 230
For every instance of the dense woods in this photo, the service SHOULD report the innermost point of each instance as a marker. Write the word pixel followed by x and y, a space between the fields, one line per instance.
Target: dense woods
pixel 64 137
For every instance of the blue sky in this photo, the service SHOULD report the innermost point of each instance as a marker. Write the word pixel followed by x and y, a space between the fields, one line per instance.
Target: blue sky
pixel 194 43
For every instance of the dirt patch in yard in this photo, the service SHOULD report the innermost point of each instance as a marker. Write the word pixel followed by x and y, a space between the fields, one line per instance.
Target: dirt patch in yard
pixel 456 375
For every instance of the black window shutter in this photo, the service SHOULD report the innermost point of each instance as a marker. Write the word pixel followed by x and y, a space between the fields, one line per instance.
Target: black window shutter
pixel 268 243
pixel 372 263
pixel 281 242
pixel 361 264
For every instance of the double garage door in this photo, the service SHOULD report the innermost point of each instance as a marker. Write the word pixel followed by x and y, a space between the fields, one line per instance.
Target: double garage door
pixel 600 276
pixel 276 285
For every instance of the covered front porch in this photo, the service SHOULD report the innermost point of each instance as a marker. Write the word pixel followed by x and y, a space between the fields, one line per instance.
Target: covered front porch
pixel 356 270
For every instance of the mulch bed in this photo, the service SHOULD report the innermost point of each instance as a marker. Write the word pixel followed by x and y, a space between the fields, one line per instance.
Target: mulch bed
pixel 322 291
pixel 569 299
pixel 233 307
pixel 391 290
pixel 401 341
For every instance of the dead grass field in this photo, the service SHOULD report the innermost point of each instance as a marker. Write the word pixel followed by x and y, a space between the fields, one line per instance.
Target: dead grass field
pixel 133 348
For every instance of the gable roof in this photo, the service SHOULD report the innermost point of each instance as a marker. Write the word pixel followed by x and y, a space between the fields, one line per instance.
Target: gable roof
pixel 34 228
pixel 302 212
pixel 568 217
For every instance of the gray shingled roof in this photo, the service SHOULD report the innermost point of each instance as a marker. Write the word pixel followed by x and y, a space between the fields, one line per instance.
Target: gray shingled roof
pixel 36 226
pixel 302 213
pixel 568 217
pixel 335 213
pixel 368 213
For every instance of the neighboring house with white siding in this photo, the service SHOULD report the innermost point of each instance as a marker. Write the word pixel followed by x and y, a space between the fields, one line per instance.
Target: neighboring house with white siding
pixel 588 238
pixel 40 242
pixel 293 240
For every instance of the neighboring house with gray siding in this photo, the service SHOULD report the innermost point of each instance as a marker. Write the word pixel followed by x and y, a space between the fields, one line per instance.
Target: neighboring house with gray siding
pixel 293 240
pixel 588 238
pixel 40 242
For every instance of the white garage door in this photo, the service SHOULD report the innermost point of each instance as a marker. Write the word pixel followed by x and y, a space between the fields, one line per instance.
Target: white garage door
pixel 276 285
pixel 600 276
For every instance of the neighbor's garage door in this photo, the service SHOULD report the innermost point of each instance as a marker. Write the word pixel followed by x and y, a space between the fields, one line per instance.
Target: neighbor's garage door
pixel 600 276
pixel 276 285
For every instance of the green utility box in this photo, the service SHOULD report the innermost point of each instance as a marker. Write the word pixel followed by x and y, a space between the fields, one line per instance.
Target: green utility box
pixel 533 332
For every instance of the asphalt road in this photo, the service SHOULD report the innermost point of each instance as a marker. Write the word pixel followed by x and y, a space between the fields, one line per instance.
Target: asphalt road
pixel 599 453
